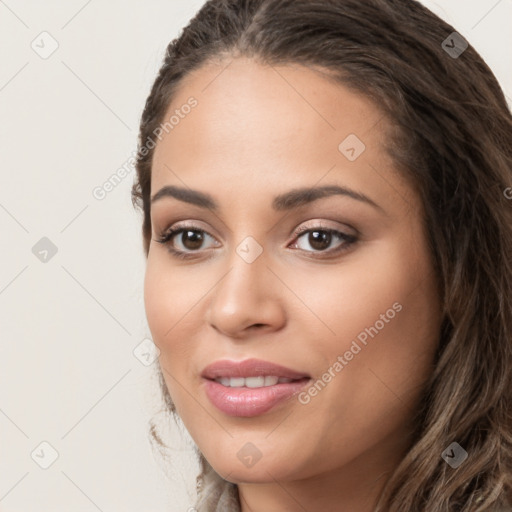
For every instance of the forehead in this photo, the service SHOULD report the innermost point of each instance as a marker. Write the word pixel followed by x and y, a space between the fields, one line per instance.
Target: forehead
pixel 245 100
pixel 277 126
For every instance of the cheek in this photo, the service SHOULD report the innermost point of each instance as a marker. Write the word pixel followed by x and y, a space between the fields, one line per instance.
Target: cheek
pixel 382 311
pixel 376 280
pixel 157 301
pixel 386 359
pixel 169 309
pixel 166 312
pixel 394 317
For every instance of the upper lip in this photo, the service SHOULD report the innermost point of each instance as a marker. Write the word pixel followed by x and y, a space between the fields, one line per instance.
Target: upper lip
pixel 248 368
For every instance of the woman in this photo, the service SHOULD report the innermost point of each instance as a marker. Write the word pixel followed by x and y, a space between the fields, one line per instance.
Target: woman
pixel 328 230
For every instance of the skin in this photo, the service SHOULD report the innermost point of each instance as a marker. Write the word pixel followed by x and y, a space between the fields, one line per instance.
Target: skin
pixel 259 131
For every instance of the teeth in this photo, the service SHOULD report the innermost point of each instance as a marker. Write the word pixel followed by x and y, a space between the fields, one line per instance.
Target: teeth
pixel 252 382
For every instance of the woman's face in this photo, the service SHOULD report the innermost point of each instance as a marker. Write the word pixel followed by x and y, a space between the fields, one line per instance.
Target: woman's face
pixel 355 311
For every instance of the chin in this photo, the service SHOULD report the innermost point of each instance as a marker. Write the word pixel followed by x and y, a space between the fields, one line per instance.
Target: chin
pixel 247 465
pixel 258 474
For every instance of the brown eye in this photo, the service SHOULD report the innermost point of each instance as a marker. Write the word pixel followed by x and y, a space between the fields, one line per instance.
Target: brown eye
pixel 320 239
pixel 188 242
pixel 191 239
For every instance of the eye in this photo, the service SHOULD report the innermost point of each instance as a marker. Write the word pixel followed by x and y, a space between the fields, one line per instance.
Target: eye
pixel 191 239
pixel 321 238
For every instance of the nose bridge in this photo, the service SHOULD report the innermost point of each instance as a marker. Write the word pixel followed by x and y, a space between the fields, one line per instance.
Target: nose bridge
pixel 245 295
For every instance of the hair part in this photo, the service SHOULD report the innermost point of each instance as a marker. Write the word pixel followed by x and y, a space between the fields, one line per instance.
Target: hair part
pixel 451 138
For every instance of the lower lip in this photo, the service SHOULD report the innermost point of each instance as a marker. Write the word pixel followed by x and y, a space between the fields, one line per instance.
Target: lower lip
pixel 248 402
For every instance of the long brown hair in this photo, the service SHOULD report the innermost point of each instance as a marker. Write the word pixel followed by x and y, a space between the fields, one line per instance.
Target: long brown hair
pixel 453 142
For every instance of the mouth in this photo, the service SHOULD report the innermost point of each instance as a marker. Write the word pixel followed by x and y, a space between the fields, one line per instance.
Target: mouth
pixel 254 382
pixel 250 369
pixel 251 387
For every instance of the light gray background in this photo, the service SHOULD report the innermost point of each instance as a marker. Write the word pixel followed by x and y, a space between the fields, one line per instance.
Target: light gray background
pixel 69 326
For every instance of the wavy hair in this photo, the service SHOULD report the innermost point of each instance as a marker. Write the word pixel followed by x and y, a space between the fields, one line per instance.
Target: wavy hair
pixel 452 140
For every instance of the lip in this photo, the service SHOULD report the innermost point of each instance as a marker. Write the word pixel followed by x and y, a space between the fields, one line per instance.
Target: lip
pixel 248 368
pixel 245 401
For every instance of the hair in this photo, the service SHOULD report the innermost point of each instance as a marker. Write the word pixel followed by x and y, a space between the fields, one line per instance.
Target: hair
pixel 452 141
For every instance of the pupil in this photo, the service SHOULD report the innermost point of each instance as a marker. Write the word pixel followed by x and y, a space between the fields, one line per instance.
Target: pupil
pixel 196 239
pixel 320 239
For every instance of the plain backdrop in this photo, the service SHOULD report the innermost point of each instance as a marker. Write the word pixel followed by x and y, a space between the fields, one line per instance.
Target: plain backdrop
pixel 76 387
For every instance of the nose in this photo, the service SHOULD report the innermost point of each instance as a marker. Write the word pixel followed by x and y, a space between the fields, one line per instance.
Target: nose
pixel 248 297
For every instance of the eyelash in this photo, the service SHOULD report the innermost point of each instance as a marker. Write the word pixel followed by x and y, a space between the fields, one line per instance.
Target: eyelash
pixel 166 238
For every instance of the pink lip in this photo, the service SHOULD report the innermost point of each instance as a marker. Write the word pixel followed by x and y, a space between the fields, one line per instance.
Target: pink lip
pixel 248 368
pixel 244 401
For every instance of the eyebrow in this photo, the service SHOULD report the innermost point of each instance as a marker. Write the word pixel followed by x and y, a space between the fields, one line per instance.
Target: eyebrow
pixel 287 201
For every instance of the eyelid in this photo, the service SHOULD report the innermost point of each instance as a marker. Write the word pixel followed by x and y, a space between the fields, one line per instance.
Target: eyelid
pixel 341 229
pixel 321 224
pixel 191 226
pixel 195 225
